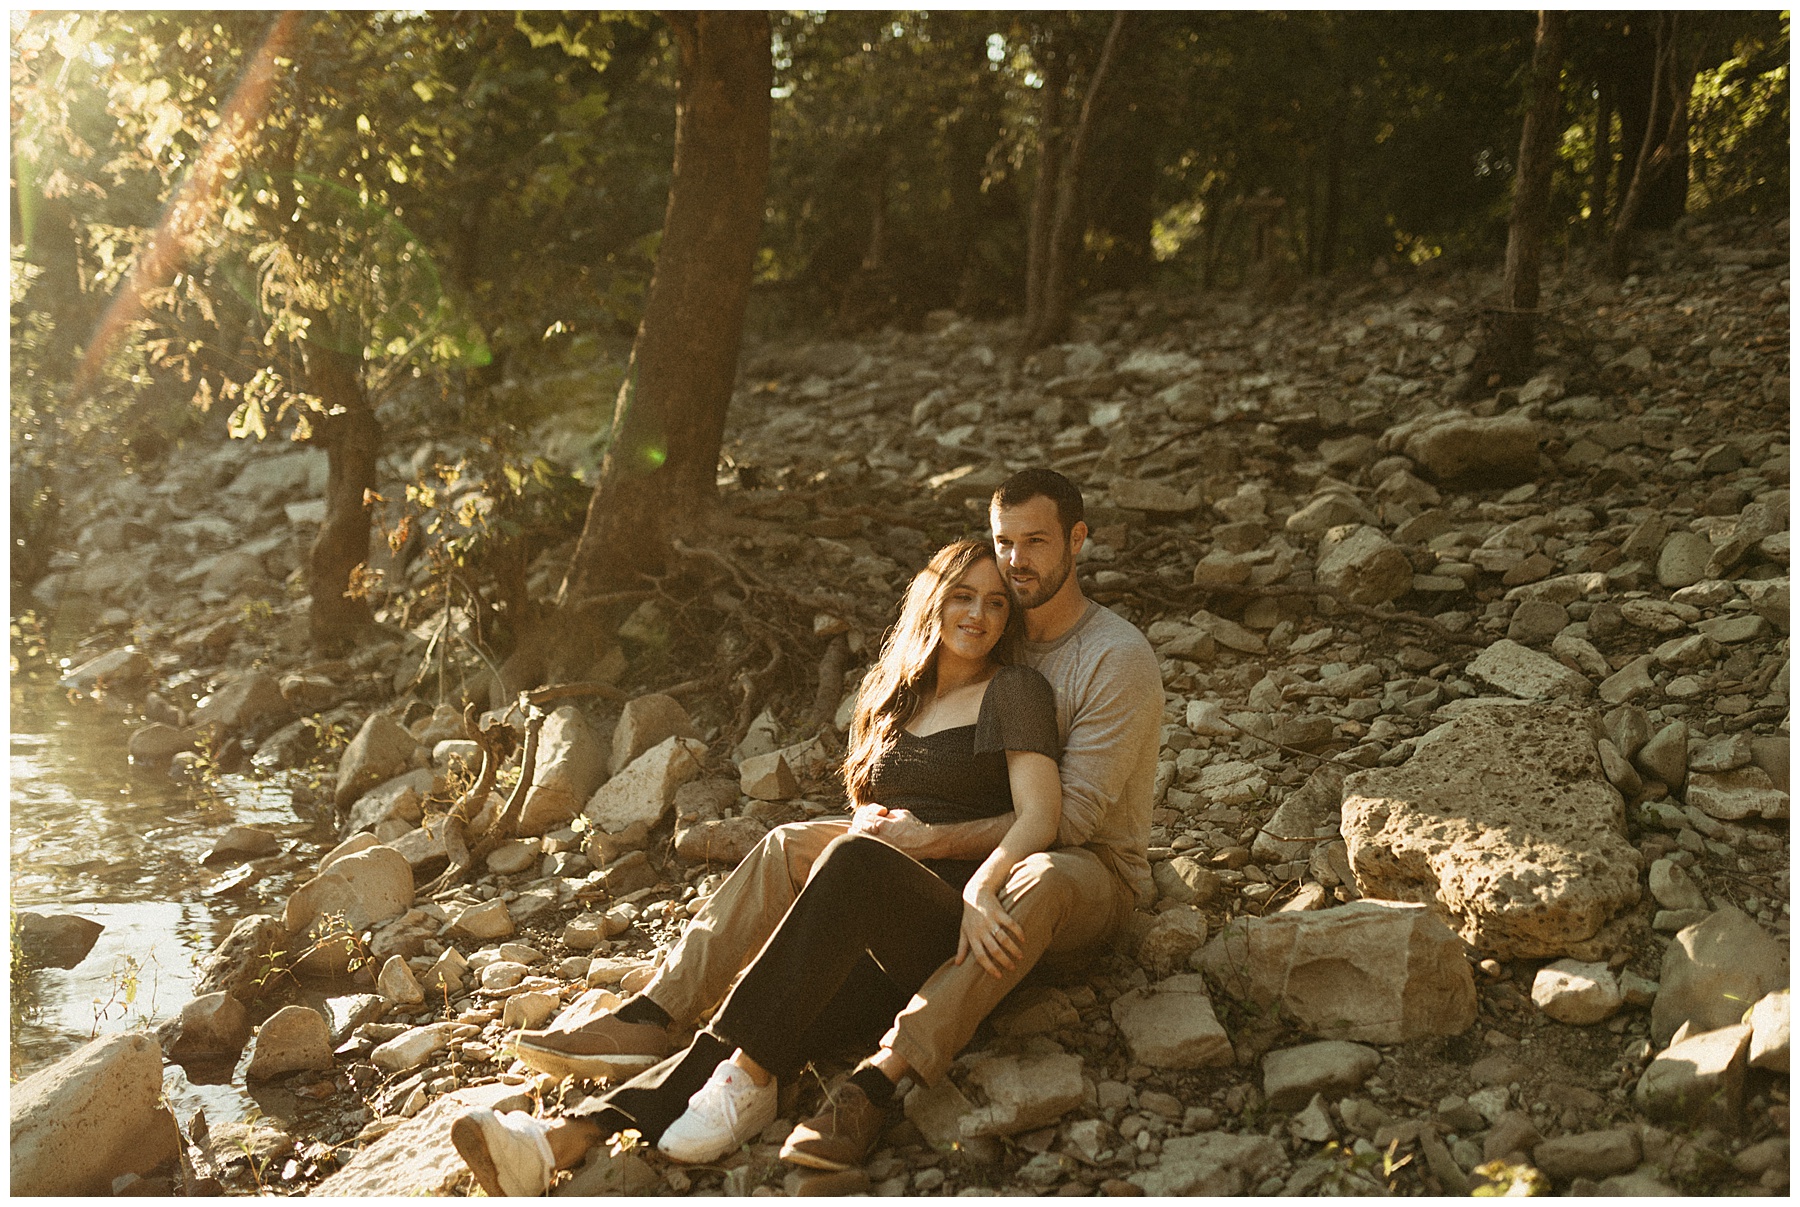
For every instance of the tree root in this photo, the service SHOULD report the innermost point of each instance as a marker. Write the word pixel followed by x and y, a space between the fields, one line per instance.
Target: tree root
pixel 465 808
pixel 831 684
pixel 506 825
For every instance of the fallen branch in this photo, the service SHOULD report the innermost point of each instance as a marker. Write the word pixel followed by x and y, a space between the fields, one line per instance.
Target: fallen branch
pixel 541 696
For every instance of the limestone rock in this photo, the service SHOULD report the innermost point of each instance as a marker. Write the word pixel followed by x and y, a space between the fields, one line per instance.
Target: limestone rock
pixel 1374 971
pixel 489 920
pixel 213 1024
pixel 1712 969
pixel 1769 1032
pixel 938 1112
pixel 411 1048
pixel 1628 682
pixel 1228 633
pixel 1171 1025
pixel 1525 673
pixel 1362 565
pixel 346 1013
pixel 529 1010
pixel 1735 795
pixel 398 984
pixel 247 704
pixel 1535 621
pixel 1212 1163
pixel 511 858
pixel 402 798
pixel 1570 991
pixel 724 840
pixel 381 750
pixel 417 1158
pixel 1699 1080
pixel 643 791
pixel 1176 934
pixel 646 722
pixel 1022 1092
pixel 55 940
pixel 115 668
pixel 1768 599
pixel 1629 728
pixel 1589 1154
pixel 1672 888
pixel 1184 879
pixel 570 765
pixel 155 744
pixel 91 1117
pixel 242 842
pixel 1157 497
pixel 1290 832
pixel 1293 1076
pixel 1682 561
pixel 368 887
pixel 293 1039
pixel 1664 757
pixel 309 692
pixel 1504 821
pixel 237 965
pixel 768 777
pixel 1330 510
pixel 1499 451
pixel 1726 752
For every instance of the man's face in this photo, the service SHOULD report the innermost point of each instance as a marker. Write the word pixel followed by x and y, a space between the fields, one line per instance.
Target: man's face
pixel 1034 555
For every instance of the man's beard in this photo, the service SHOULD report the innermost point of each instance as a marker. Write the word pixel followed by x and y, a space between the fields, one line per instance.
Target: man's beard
pixel 1047 585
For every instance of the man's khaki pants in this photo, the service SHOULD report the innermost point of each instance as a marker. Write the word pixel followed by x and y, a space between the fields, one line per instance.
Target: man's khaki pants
pixel 1065 901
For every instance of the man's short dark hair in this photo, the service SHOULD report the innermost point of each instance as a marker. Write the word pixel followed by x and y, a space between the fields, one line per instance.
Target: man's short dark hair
pixel 1029 484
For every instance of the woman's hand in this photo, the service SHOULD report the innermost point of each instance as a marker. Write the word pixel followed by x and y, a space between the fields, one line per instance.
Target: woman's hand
pixel 988 931
pixel 899 828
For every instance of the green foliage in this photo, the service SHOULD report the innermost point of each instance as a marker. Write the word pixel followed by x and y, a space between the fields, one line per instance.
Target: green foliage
pixel 1740 122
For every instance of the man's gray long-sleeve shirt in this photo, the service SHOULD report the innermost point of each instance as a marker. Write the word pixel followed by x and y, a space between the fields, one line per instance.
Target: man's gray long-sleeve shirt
pixel 1109 702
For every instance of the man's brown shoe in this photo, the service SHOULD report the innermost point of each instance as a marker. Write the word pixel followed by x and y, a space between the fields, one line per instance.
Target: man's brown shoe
pixel 839 1137
pixel 607 1047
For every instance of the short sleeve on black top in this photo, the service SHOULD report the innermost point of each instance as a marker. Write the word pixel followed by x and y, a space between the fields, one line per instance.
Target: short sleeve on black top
pixel 1018 713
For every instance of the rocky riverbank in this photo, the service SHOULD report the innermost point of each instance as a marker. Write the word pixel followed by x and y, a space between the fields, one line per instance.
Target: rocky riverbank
pixel 1472 828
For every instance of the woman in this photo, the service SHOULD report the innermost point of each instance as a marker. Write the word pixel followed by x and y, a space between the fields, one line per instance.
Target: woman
pixel 948 729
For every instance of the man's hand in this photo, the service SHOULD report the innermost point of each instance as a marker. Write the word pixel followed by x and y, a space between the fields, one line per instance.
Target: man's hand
pixel 898 828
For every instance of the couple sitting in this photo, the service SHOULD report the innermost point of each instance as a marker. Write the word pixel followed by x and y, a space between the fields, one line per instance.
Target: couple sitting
pixel 970 855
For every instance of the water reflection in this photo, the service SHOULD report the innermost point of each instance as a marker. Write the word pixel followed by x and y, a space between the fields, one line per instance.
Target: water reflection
pixel 90 837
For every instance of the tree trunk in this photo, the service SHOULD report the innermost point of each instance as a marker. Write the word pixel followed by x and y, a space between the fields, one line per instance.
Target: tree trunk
pixel 1057 295
pixel 1509 342
pixel 1049 172
pixel 351 438
pixel 1601 190
pixel 669 420
pixel 1655 152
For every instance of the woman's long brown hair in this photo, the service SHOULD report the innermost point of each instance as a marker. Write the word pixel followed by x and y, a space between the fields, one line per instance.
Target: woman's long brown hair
pixel 898 683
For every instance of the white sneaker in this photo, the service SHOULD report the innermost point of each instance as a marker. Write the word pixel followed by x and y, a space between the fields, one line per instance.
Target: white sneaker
pixel 725 1112
pixel 509 1154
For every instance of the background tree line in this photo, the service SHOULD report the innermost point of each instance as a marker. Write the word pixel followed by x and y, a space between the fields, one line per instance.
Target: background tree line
pixel 403 204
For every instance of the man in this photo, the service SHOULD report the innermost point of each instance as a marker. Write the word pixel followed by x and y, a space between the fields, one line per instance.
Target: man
pixel 1066 901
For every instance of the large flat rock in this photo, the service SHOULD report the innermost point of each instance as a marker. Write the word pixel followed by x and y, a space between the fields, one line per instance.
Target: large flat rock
pixel 1381 972
pixel 417 1158
pixel 90 1117
pixel 1505 824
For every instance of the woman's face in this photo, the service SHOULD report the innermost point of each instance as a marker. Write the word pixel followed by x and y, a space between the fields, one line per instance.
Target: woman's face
pixel 975 614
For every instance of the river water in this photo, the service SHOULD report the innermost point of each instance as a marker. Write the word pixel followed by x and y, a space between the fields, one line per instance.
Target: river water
pixel 92 837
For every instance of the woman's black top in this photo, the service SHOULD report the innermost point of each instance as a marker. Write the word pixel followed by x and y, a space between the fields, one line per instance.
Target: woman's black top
pixel 959 774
